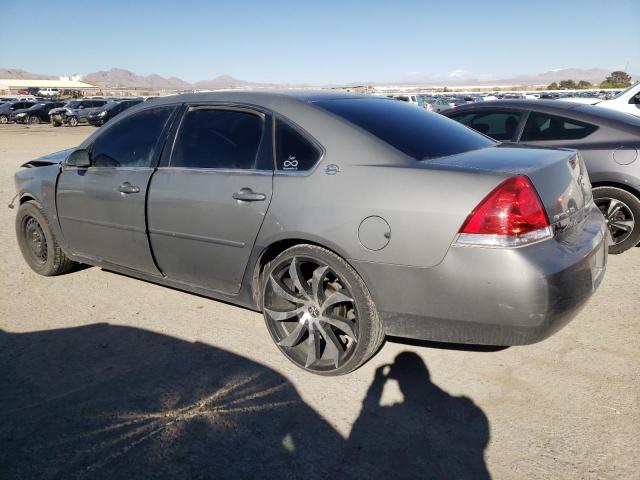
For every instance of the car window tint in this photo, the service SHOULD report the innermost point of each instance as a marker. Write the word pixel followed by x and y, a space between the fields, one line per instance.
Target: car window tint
pixel 293 151
pixel 414 131
pixel 214 138
pixel 500 125
pixel 131 141
pixel 542 126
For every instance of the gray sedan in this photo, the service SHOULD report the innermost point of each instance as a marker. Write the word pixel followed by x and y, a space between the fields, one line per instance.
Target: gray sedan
pixel 608 141
pixel 342 218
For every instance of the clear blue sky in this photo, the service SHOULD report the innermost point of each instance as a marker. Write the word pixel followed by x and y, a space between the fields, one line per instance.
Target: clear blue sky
pixel 319 42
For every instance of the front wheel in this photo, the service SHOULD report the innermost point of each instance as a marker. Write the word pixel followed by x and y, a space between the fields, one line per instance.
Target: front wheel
pixel 4 119
pixel 621 209
pixel 319 311
pixel 72 121
pixel 37 242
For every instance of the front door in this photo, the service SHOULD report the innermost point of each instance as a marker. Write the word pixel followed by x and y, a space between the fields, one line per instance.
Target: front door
pixel 102 208
pixel 206 207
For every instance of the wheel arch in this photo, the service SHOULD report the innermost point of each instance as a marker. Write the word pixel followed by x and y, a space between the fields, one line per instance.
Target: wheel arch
pixel 622 186
pixel 267 253
pixel 29 197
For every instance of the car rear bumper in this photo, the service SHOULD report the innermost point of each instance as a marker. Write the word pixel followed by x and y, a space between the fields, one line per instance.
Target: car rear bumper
pixel 493 296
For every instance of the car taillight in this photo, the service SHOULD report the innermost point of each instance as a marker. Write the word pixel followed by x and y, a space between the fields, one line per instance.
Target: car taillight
pixel 510 216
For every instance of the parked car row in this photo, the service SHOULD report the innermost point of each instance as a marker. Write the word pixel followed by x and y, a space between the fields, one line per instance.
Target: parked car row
pixel 627 101
pixel 94 111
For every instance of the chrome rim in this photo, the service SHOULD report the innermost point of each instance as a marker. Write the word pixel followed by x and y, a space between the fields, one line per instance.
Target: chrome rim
pixel 311 314
pixel 36 240
pixel 34 120
pixel 619 216
pixel 4 119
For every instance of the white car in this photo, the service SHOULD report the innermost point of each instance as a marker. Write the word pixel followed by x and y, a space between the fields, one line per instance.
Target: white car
pixel 627 101
pixel 441 104
pixel 49 92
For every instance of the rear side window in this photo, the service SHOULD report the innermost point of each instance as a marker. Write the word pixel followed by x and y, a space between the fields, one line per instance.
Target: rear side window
pixel 131 141
pixel 542 126
pixel 414 131
pixel 500 125
pixel 214 138
pixel 294 152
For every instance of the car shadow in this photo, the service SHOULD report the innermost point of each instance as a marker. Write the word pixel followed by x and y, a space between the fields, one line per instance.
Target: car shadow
pixel 104 401
pixel 465 347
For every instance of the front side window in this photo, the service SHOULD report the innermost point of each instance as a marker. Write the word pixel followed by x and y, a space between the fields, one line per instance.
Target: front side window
pixel 542 126
pixel 131 141
pixel 293 151
pixel 501 125
pixel 215 138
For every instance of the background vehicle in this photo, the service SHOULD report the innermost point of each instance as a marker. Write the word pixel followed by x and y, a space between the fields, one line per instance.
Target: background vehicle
pixel 111 109
pixel 49 92
pixel 608 141
pixel 37 113
pixel 249 206
pixel 627 101
pixel 8 108
pixel 441 104
pixel 74 112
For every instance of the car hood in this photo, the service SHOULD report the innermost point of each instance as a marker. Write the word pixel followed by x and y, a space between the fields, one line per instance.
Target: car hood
pixel 50 159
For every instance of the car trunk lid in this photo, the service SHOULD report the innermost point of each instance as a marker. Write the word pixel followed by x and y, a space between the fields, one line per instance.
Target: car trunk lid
pixel 558 175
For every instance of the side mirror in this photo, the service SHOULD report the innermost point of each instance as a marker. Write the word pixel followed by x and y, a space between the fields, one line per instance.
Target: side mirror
pixel 79 158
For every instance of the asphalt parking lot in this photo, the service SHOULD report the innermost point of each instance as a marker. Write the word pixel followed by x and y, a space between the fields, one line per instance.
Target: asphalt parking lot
pixel 104 376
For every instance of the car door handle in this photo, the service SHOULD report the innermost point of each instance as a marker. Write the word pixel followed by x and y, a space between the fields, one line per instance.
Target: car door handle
pixel 248 195
pixel 126 187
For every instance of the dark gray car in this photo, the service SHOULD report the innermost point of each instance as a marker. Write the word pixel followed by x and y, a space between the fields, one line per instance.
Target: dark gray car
pixel 342 218
pixel 75 112
pixel 607 140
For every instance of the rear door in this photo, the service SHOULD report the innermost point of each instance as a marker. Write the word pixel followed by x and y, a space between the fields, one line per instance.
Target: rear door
pixel 102 208
pixel 207 204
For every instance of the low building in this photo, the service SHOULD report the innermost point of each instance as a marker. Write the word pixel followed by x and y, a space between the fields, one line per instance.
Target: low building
pixel 11 86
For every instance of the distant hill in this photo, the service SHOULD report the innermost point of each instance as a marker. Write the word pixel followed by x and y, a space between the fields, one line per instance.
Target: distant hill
pixel 121 78
pixel 118 77
pixel 22 75
pixel 593 75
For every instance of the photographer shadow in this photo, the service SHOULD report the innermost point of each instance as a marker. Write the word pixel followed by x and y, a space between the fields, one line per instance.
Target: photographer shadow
pixel 104 401
pixel 431 434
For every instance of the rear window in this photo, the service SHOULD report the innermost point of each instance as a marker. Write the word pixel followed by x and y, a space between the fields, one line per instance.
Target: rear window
pixel 541 126
pixel 414 131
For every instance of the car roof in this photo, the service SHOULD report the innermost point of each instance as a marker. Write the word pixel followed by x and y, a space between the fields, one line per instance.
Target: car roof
pixel 258 98
pixel 593 113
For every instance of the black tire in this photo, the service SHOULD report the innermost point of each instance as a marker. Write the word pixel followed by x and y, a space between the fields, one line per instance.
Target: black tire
pixel 55 124
pixel 34 120
pixel 621 209
pixel 4 119
pixel 37 242
pixel 338 348
pixel 72 121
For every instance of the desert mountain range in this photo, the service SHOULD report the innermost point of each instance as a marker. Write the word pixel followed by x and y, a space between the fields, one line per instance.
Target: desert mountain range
pixel 118 77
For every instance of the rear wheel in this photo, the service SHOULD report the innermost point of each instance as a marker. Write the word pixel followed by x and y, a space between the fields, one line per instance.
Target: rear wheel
pixel 319 311
pixel 39 246
pixel 621 209
pixel 34 120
